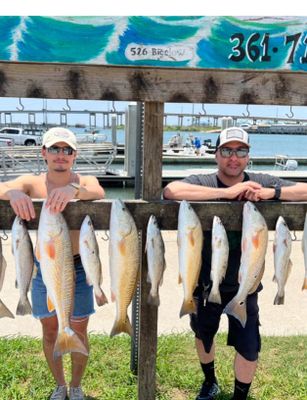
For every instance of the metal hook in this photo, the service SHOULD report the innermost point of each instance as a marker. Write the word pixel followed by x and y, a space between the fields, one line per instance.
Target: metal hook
pixel 248 112
pixel 106 236
pixel 294 237
pixel 204 110
pixel 113 109
pixel 5 236
pixel 291 115
pixel 68 106
pixel 21 105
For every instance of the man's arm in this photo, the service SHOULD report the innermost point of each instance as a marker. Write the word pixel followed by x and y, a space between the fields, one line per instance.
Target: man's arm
pixel 89 190
pixel 179 190
pixel 297 192
pixel 17 192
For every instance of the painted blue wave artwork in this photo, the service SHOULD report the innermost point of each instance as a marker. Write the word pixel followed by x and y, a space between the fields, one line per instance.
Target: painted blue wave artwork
pixel 169 41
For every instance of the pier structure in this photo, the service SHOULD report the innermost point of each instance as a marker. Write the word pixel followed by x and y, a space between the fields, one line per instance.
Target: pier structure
pixel 102 119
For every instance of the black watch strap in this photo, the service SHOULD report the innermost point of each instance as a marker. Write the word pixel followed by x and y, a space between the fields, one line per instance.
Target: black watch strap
pixel 277 192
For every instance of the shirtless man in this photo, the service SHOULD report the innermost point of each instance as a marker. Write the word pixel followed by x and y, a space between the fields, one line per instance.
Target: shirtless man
pixel 59 185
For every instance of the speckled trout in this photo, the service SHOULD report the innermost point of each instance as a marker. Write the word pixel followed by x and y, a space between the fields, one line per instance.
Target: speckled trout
pixel 304 248
pixel 155 250
pixel 4 311
pixel 89 253
pixel 54 252
pixel 22 249
pixel 253 245
pixel 282 264
pixel 124 264
pixel 190 243
pixel 219 259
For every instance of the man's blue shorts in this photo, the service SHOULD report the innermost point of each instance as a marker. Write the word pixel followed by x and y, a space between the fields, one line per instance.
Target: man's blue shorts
pixel 83 301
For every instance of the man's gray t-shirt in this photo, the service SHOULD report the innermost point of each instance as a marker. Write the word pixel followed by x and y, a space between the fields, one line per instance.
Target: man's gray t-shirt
pixel 230 282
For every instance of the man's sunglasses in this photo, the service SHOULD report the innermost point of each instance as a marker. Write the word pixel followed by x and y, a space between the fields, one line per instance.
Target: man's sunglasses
pixel 68 151
pixel 226 152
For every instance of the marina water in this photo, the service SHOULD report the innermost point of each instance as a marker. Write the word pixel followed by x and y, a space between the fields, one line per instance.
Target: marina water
pixel 262 145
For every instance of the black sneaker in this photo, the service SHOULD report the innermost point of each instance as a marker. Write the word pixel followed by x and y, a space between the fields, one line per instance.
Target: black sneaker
pixel 208 391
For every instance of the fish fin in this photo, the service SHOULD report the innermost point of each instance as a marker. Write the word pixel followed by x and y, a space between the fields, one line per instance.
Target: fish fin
pixel 188 307
pixel 153 300
pixel 24 307
pixel 215 297
pixel 68 342
pixel 101 298
pixel 122 247
pixel 50 304
pixel 258 280
pixel 121 326
pixel 237 309
pixel 279 299
pixel 179 279
pixel 191 238
pixel 255 240
pixel 4 311
pixel 304 287
pixel 50 249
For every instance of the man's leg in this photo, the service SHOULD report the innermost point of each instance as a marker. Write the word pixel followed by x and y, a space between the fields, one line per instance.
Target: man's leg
pixel 79 360
pixel 244 370
pixel 204 357
pixel 50 333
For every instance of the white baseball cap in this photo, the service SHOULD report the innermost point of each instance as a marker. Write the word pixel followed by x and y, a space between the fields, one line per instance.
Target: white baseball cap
pixel 58 134
pixel 232 134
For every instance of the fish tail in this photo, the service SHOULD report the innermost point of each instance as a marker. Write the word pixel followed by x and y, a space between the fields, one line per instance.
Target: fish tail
pixel 101 298
pixel 279 299
pixel 23 306
pixel 237 309
pixel 304 287
pixel 121 326
pixel 215 297
pixel 188 307
pixel 4 311
pixel 153 299
pixel 68 342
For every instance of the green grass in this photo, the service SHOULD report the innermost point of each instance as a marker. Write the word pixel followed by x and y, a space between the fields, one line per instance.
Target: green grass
pixel 282 372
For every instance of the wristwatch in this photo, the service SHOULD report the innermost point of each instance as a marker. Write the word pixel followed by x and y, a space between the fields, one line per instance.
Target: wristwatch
pixel 277 194
pixel 75 186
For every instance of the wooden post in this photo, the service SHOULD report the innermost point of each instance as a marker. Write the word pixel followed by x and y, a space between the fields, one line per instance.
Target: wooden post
pixel 152 184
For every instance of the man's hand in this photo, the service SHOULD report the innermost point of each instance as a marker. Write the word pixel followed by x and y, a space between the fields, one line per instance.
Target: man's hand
pixel 59 197
pixel 22 204
pixel 243 191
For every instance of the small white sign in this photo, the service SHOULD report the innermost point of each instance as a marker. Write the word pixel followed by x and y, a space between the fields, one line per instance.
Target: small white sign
pixel 135 52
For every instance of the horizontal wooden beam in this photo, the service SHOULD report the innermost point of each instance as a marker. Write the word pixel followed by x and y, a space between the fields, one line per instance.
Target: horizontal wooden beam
pixel 100 82
pixel 167 213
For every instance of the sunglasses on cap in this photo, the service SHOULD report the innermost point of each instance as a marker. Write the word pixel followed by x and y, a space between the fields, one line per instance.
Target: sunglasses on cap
pixel 68 151
pixel 227 152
